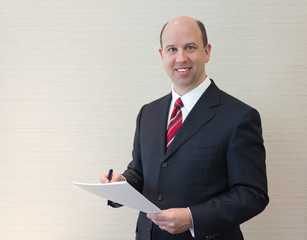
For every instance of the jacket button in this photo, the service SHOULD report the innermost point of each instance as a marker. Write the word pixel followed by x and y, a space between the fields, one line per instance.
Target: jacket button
pixel 164 164
pixel 149 230
pixel 160 197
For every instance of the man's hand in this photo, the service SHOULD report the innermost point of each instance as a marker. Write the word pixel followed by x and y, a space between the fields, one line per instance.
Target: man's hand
pixel 116 177
pixel 173 220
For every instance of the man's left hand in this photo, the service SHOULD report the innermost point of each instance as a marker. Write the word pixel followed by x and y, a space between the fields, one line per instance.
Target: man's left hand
pixel 173 220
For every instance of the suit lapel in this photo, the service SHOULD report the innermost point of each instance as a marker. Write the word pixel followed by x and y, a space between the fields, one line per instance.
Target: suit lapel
pixel 197 118
pixel 161 123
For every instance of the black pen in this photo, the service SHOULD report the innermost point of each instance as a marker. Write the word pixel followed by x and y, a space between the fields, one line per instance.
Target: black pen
pixel 112 204
pixel 110 174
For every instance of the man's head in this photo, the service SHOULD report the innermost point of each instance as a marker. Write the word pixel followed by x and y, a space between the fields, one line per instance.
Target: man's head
pixel 184 52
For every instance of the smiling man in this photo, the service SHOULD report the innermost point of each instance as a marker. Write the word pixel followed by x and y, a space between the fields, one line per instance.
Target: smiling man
pixel 198 152
pixel 184 54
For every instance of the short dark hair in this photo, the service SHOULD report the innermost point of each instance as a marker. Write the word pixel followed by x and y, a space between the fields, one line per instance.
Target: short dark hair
pixel 202 30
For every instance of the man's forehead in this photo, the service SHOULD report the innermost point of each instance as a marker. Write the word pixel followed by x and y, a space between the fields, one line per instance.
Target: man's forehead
pixel 183 35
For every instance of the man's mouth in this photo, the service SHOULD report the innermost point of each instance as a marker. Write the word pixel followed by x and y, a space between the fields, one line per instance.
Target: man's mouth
pixel 183 70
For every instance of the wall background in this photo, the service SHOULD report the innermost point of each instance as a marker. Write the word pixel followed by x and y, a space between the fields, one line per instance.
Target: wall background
pixel 69 70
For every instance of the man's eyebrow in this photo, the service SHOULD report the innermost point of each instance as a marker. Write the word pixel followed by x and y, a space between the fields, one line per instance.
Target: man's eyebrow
pixel 187 44
pixel 170 46
pixel 191 43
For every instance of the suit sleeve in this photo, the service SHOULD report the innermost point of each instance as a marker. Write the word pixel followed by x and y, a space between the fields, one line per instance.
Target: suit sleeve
pixel 247 192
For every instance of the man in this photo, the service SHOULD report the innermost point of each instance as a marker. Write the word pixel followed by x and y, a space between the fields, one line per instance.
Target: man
pixel 201 161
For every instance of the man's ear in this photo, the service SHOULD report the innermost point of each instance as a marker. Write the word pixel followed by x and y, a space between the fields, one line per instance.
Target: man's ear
pixel 161 53
pixel 207 52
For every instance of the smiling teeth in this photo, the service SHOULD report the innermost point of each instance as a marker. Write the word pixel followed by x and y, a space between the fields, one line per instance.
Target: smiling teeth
pixel 183 70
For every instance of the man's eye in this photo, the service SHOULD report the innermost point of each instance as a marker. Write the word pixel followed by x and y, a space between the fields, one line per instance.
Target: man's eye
pixel 171 50
pixel 190 48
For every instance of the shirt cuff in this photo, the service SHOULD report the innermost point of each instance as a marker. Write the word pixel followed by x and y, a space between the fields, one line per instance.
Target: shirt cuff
pixel 192 228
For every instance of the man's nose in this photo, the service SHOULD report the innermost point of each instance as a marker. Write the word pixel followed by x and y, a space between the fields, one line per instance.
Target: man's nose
pixel 181 57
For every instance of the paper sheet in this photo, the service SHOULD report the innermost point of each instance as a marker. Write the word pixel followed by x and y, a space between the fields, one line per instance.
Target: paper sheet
pixel 121 192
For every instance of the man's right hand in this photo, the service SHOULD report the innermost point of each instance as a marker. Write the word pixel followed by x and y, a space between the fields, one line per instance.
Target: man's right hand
pixel 116 177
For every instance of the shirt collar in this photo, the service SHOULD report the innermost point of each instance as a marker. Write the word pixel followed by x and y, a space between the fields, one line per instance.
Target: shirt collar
pixel 190 98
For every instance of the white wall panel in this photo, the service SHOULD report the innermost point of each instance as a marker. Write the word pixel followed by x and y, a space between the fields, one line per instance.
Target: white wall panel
pixel 69 71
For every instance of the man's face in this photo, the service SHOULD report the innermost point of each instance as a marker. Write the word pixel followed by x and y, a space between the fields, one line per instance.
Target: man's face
pixel 183 54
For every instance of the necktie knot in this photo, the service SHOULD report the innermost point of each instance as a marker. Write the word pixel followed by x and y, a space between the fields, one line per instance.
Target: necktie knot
pixel 178 103
pixel 177 106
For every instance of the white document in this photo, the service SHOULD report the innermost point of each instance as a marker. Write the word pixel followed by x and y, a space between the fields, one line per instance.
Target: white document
pixel 122 193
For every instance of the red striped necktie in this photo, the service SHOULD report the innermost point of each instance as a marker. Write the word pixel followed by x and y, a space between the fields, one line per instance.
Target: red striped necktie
pixel 175 122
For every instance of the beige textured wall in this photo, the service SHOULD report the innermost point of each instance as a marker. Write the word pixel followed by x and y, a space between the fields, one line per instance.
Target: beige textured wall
pixel 69 69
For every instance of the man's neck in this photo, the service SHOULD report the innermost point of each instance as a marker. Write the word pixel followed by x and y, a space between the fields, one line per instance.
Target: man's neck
pixel 183 91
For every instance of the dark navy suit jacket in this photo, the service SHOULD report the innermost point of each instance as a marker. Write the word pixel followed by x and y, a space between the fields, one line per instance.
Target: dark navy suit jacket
pixel 215 166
